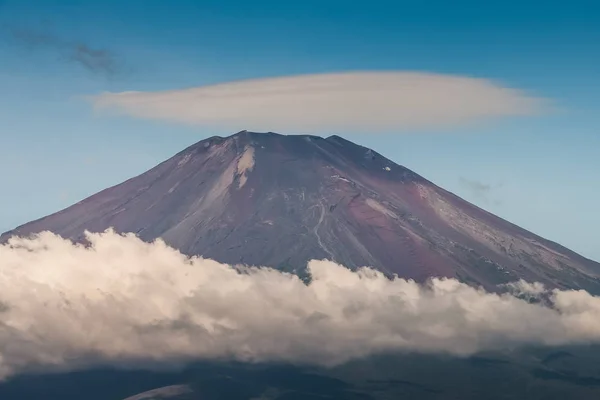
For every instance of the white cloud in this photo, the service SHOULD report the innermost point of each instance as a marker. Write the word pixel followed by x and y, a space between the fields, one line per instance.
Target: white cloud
pixel 356 101
pixel 121 301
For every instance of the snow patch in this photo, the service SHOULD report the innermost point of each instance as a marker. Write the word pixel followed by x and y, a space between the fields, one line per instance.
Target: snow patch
pixel 184 160
pixel 341 178
pixel 375 205
pixel 173 188
pixel 245 165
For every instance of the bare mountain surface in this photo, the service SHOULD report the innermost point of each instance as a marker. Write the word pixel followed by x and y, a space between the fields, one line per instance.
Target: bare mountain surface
pixel 275 200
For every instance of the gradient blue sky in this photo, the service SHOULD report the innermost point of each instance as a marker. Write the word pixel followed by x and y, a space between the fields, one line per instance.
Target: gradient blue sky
pixel 542 173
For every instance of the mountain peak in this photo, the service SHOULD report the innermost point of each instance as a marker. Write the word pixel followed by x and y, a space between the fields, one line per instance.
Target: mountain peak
pixel 281 200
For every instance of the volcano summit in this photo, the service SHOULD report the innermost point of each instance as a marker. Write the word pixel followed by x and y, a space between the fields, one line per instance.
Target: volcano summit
pixel 275 200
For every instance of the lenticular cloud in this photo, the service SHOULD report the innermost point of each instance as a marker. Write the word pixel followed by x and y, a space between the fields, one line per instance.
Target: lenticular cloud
pixel 368 101
pixel 120 300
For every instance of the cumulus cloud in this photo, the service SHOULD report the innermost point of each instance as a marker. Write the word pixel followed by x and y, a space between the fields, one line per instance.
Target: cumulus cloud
pixel 121 301
pixel 355 101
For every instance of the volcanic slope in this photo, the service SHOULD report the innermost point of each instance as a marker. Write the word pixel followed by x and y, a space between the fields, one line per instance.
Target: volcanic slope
pixel 276 200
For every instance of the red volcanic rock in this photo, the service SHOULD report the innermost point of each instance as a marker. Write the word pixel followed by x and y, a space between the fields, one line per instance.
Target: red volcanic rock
pixel 269 199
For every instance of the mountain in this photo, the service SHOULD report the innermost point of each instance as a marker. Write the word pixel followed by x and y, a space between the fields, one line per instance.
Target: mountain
pixel 535 374
pixel 275 200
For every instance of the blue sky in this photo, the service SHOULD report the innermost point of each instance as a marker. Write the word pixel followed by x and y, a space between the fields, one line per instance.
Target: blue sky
pixel 541 172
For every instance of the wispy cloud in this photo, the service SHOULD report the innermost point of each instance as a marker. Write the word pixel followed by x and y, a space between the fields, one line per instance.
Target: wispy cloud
pixel 479 190
pixel 360 101
pixel 122 301
pixel 95 60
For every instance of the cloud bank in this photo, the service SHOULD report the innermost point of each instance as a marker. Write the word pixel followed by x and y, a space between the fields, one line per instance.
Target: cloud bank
pixel 121 301
pixel 360 101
